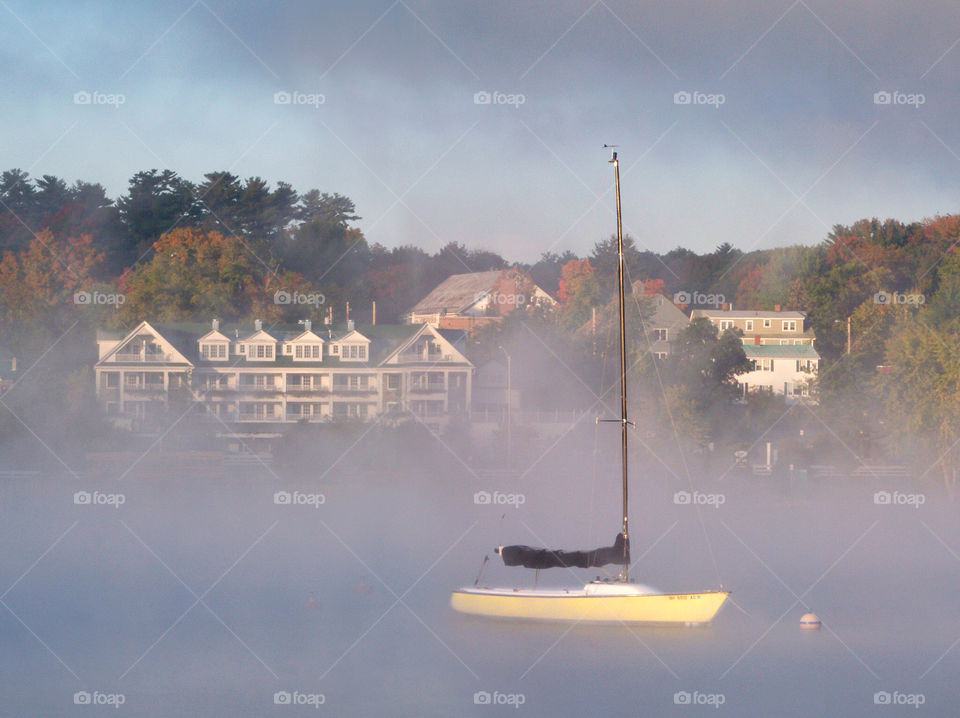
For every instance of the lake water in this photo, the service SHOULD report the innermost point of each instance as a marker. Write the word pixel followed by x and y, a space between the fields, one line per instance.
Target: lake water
pixel 202 596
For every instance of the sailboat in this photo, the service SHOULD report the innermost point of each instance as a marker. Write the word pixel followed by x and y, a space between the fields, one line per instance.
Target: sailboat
pixel 612 600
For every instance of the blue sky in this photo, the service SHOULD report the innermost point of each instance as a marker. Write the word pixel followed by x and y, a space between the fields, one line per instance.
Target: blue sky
pixel 785 138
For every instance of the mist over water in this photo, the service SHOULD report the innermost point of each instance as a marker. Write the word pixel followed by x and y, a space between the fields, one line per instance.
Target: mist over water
pixel 200 595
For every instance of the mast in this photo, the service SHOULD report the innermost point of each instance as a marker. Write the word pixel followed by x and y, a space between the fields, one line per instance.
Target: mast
pixel 624 423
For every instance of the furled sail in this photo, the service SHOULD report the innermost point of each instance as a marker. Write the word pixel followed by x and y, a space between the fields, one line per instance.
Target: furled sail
pixel 529 557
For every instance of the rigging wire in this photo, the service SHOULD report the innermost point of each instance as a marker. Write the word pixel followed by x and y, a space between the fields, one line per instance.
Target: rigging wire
pixel 676 435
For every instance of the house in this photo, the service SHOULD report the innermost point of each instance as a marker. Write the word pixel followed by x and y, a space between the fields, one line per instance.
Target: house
pixel 785 370
pixel 778 343
pixel 281 374
pixel 467 301
pixel 662 327
pixel 761 327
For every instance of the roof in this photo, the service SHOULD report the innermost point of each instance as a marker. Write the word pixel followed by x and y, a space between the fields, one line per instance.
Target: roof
pixel 747 314
pixel 781 351
pixel 184 336
pixel 457 292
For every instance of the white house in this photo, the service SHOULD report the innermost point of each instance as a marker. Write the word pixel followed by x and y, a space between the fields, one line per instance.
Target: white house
pixel 281 374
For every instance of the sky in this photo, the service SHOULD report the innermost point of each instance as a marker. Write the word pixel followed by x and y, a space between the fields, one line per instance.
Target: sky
pixel 757 123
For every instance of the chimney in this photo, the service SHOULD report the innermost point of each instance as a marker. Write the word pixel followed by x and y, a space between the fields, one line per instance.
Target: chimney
pixel 373 313
pixel 216 325
pixel 776 307
pixel 307 324
pixel 756 340
pixel 13 364
pixel 350 325
pixel 257 325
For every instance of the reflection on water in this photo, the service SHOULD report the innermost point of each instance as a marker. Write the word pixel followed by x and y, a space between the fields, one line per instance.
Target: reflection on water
pixel 203 596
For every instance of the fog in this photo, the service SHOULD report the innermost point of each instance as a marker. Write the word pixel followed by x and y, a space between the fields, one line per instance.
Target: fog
pixel 200 595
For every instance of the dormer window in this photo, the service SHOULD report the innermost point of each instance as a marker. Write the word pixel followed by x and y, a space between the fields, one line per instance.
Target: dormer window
pixel 261 351
pixel 307 351
pixel 213 351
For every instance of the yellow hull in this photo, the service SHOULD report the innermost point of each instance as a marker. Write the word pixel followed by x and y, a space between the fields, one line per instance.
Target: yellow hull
pixel 582 606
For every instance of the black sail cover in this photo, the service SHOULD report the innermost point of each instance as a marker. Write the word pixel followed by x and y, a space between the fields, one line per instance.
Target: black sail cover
pixel 530 557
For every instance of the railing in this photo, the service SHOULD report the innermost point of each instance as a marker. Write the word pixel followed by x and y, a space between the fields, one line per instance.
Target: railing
pixel 429 388
pixel 259 387
pixel 138 357
pixel 346 389
pixel 254 416
pixel 144 388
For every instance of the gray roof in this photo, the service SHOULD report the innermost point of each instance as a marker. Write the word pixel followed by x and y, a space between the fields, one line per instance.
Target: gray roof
pixel 746 314
pixel 780 351
pixel 457 292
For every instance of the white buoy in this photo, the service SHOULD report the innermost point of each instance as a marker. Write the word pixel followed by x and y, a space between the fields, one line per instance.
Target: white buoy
pixel 809 621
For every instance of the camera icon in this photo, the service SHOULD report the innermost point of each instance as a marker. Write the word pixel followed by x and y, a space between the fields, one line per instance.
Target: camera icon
pixel 882 98
pixel 82 297
pixel 682 497
pixel 881 698
pixel 481 698
pixel 482 98
pixel 282 498
pixel 82 98
pixel 681 698
pixel 81 698
pixel 682 98
pixel 282 698
pixel 282 297
pixel 282 98
pixel 81 498
pixel 882 498
pixel 682 298
pixel 482 497
pixel 881 298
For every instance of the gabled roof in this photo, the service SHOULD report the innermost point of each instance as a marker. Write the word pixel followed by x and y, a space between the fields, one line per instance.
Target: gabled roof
pixel 143 329
pixel 457 292
pixel 214 335
pixel 308 335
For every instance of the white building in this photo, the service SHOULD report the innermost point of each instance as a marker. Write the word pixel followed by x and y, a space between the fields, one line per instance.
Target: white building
pixel 281 374
pixel 780 345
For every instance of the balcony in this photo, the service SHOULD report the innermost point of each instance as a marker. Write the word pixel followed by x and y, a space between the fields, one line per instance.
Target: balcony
pixel 143 388
pixel 137 357
pixel 345 389
pixel 428 388
pixel 260 388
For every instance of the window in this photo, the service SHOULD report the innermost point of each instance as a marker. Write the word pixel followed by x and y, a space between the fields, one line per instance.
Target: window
pixel 660 355
pixel 335 349
pixel 362 351
pixel 766 365
pixel 789 325
pixel 213 351
pixel 263 351
pixel 660 335
pixel 748 325
pixel 726 324
pixel 767 324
